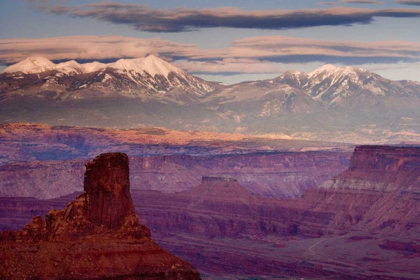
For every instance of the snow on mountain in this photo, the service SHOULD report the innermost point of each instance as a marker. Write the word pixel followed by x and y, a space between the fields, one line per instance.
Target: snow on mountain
pixel 31 65
pixel 92 67
pixel 132 77
pixel 151 64
pixel 69 67
pixel 295 79
pixel 347 86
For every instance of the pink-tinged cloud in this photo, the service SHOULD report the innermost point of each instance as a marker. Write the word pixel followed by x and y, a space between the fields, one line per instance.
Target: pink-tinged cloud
pixel 141 17
pixel 230 66
pixel 247 55
pixel 90 48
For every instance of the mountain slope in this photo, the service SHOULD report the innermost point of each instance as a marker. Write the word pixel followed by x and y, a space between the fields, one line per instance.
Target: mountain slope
pixel 31 65
pixel 132 77
pixel 350 87
pixel 329 104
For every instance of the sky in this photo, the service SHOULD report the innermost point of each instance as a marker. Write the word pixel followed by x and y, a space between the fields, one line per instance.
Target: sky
pixel 226 41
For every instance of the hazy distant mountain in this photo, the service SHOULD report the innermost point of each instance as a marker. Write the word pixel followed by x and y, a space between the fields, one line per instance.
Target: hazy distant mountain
pixel 261 100
pixel 349 86
pixel 329 104
pixel 129 77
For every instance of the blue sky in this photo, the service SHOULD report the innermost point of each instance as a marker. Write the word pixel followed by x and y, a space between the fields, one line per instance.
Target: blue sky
pixel 24 19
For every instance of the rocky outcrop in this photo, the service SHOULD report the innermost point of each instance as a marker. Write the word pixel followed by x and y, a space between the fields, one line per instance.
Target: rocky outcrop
pixel 98 235
pixel 108 204
pixel 379 192
pixel 362 223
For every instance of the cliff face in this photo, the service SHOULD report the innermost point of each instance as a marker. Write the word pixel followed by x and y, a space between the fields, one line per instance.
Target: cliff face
pixel 385 158
pixel 380 191
pixel 362 223
pixel 381 168
pixel 97 235
pixel 280 174
pixel 107 204
pixel 277 174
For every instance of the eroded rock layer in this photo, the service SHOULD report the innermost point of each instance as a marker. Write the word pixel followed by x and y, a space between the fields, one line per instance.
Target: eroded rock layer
pixel 96 236
pixel 362 224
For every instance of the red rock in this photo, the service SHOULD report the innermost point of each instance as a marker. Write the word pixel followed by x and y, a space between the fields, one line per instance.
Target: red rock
pixel 107 187
pixel 98 235
pixel 214 228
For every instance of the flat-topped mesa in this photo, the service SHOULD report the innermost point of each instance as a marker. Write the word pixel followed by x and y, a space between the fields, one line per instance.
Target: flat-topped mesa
pixel 381 168
pixel 385 158
pixel 107 187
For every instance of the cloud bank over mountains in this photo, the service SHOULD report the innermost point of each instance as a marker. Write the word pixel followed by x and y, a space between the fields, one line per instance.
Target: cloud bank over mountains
pixel 247 55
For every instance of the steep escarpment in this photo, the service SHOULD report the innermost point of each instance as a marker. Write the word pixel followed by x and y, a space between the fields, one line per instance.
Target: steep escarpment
pixel 273 174
pixel 96 236
pixel 382 168
pixel 363 224
pixel 380 191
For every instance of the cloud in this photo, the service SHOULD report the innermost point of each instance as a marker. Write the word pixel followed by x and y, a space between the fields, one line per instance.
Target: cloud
pixel 409 2
pixel 141 17
pixel 247 55
pixel 301 50
pixel 230 67
pixel 90 48
pixel 368 2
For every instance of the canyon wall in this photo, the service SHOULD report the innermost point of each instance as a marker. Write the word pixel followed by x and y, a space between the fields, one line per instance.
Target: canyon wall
pixel 282 174
pixel 276 174
pixel 360 224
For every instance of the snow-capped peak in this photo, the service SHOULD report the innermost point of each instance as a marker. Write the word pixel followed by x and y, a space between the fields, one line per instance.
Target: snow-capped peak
pixel 30 65
pixel 330 70
pixel 151 64
pixel 327 69
pixel 69 67
pixel 157 66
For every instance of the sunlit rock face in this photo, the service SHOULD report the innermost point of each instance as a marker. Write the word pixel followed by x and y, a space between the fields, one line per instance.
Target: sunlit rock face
pixel 96 236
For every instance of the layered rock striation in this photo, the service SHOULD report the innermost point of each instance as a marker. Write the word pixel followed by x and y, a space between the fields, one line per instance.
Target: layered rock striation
pixel 361 224
pixel 96 236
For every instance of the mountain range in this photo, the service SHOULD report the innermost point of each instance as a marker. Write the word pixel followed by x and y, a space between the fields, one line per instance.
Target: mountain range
pixel 329 104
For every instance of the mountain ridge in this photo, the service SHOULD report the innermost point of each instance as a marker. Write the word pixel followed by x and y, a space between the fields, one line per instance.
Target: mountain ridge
pixel 328 104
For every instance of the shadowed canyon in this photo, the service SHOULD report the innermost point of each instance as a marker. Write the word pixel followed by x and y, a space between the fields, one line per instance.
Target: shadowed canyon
pixel 361 223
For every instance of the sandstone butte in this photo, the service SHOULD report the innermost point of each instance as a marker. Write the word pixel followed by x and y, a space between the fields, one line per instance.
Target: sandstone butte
pixel 96 236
